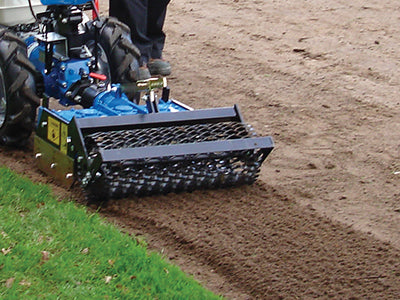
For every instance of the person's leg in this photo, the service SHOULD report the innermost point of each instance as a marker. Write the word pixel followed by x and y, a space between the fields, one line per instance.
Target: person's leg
pixel 134 14
pixel 157 10
pixel 156 17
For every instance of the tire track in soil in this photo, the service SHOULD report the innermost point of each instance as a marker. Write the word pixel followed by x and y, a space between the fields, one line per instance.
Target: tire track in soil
pixel 262 245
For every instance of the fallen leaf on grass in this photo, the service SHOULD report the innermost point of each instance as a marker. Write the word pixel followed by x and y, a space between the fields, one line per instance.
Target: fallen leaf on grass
pixel 45 255
pixel 9 282
pixel 5 251
pixel 24 283
pixel 108 279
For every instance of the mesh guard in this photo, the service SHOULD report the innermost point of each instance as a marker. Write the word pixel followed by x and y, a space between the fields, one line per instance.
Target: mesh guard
pixel 179 158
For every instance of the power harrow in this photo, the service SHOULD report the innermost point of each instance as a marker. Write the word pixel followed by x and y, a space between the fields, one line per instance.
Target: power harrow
pixel 116 135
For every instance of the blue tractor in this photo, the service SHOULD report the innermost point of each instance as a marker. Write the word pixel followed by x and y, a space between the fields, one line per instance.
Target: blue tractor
pixel 116 136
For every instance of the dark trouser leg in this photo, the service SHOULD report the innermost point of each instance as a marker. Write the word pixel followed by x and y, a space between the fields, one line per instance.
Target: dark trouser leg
pixel 157 10
pixel 134 13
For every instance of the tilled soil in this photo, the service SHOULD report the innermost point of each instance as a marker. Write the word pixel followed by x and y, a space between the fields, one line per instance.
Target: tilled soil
pixel 323 221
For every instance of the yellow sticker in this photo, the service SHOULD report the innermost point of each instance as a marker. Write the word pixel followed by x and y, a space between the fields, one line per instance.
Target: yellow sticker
pixel 53 131
pixel 64 137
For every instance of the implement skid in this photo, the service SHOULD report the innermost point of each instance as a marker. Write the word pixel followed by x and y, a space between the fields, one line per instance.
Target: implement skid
pixel 52 161
pixel 51 148
pixel 146 154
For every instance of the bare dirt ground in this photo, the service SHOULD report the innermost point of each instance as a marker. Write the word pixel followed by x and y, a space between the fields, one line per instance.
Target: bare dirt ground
pixel 320 77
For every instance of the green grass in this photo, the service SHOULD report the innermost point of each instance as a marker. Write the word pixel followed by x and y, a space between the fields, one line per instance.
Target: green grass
pixel 57 250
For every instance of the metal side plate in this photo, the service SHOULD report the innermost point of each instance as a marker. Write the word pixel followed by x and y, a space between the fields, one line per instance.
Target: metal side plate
pixel 53 162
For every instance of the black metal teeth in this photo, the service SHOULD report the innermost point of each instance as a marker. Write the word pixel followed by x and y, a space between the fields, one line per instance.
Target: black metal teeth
pixel 176 173
pixel 170 135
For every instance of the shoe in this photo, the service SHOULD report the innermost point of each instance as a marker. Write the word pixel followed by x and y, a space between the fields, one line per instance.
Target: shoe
pixel 159 67
pixel 144 73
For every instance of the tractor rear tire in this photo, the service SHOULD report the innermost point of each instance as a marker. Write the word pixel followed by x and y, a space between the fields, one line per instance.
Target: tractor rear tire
pixel 123 56
pixel 17 91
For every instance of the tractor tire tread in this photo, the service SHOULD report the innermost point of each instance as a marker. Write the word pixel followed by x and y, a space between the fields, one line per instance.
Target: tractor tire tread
pixel 123 56
pixel 19 83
